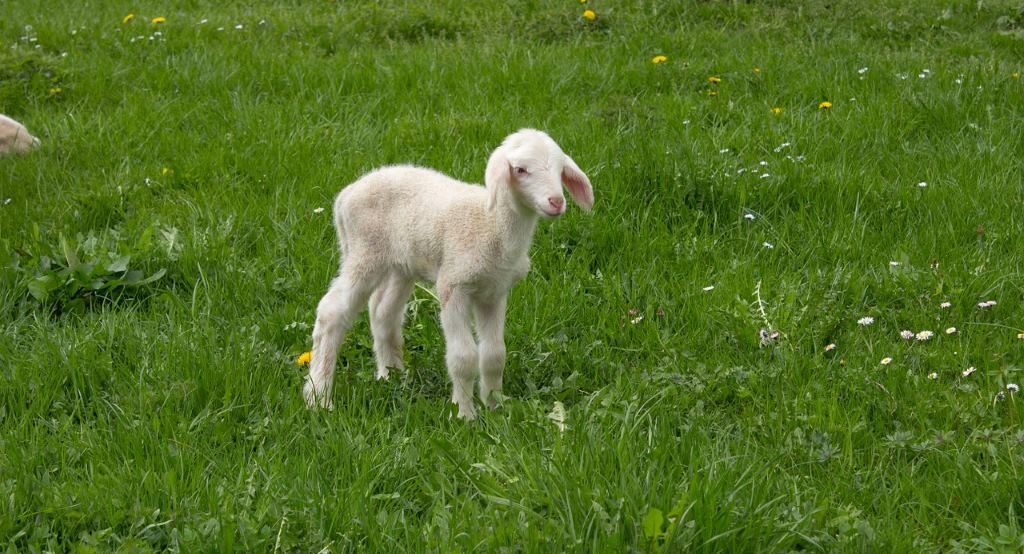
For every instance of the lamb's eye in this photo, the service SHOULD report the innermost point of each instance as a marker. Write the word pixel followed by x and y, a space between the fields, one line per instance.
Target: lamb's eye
pixel 521 171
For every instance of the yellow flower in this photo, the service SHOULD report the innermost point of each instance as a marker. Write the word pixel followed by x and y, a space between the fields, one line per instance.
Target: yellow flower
pixel 714 80
pixel 757 70
pixel 56 90
pixel 159 19
pixel 659 59
pixel 777 110
pixel 128 18
pixel 166 171
pixel 583 1
pixel 589 15
pixel 825 105
pixel 1016 74
pixel 1020 336
pixel 886 361
pixel 304 358
pixel 712 93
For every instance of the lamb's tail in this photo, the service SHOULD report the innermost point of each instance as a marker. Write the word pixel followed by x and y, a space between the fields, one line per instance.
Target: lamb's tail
pixel 339 222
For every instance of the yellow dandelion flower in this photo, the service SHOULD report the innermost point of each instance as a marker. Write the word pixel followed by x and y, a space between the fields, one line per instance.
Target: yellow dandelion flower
pixel 56 90
pixel 583 1
pixel 166 171
pixel 304 358
pixel 777 110
pixel 589 15
pixel 825 105
pixel 714 80
pixel 757 70
pixel 159 19
pixel 128 18
pixel 712 93
pixel 659 59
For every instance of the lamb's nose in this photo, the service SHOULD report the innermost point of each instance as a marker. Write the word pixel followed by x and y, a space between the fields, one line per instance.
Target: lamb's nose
pixel 556 202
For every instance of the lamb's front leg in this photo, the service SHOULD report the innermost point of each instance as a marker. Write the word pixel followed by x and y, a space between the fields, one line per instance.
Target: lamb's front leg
pixel 461 355
pixel 490 326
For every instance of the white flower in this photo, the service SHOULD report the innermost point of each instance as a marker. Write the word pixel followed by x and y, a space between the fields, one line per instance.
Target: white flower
pixel 830 347
pixel 886 361
pixel 933 375
pixel 203 21
pixel 986 304
pixel 862 70
pixel 762 163
pixel 686 122
pixel 708 288
pixel 751 217
pixel 723 151
pixel 865 321
pixel 1012 387
pixel 925 335
pixel 951 331
pixel 636 320
pixel 768 245
pixel 894 264
pixel 922 185
pixel 239 26
pixel 767 337
pixel 557 415
pixel 1020 336
pixel 779 148
pixel 318 210
pixel 945 305
pixel 969 371
pixel 906 334
pixel 765 175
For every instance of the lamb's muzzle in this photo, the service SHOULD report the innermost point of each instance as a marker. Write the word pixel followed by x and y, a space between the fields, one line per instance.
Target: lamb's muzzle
pixel 400 224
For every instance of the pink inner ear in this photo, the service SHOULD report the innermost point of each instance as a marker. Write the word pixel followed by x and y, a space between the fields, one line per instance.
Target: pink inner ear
pixel 579 186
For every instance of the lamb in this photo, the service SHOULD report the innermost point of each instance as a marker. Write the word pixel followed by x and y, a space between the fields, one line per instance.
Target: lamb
pixel 14 137
pixel 400 224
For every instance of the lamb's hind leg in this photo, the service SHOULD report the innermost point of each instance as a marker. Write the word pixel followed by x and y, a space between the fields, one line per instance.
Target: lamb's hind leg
pixel 387 311
pixel 334 316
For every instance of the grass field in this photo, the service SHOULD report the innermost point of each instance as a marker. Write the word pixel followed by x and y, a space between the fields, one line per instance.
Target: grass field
pixel 166 414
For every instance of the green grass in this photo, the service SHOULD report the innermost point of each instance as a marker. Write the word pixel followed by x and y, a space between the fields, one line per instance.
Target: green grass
pixel 169 416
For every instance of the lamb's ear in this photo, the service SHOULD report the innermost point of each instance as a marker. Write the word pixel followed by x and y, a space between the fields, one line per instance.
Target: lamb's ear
pixel 578 185
pixel 497 175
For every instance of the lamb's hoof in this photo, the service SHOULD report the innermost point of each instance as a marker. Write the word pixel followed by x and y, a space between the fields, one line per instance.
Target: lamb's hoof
pixel 316 399
pixel 466 411
pixel 494 400
pixel 383 374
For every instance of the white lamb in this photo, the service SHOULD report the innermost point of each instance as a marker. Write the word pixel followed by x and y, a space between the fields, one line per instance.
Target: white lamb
pixel 14 137
pixel 402 223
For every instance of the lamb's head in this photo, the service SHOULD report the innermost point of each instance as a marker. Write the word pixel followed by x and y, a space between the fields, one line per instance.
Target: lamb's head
pixel 531 167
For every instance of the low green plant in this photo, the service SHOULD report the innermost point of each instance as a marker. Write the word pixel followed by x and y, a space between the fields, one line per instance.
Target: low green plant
pixel 68 283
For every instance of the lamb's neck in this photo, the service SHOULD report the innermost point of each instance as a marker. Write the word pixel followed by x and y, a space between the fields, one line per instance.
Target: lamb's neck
pixel 515 226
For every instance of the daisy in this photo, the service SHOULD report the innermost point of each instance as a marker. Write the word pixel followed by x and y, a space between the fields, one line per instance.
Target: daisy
pixel 886 361
pixel 906 334
pixel 969 371
pixel 830 347
pixel 865 321
pixel 318 210
pixel 708 288
pixel 951 331
pixel 924 335
pixel 945 305
pixel 933 375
